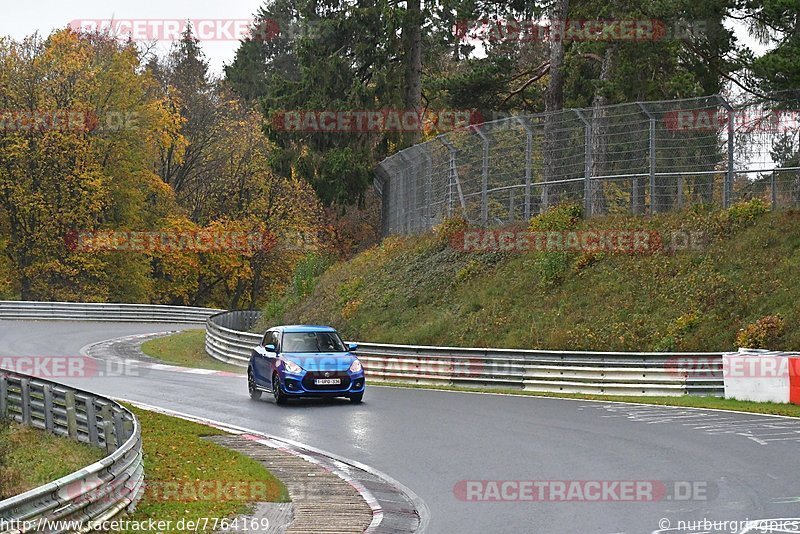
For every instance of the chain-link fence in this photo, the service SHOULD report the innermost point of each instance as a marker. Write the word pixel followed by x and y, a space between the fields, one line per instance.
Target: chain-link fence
pixel 642 157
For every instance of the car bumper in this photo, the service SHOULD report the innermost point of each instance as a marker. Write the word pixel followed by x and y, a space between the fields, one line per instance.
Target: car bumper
pixel 303 384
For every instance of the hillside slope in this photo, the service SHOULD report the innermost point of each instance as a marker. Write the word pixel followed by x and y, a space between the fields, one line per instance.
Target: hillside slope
pixel 742 266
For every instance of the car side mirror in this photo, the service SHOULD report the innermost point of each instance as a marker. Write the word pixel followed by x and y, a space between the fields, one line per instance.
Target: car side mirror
pixel 352 347
pixel 270 348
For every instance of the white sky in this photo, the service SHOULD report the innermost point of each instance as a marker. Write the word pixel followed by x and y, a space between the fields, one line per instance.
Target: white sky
pixel 21 18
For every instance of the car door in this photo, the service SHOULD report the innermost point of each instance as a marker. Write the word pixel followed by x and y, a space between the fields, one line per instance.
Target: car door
pixel 262 364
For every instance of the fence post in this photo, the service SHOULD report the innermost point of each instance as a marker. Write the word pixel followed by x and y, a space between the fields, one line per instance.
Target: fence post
pixel 651 164
pixel 528 167
pixel 484 176
pixel 773 190
pixel 452 178
pixel 727 186
pixel 587 163
pixel 428 187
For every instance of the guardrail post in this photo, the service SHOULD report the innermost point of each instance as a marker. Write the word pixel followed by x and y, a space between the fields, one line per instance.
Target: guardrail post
pixel 72 418
pixel 48 408
pixel 108 428
pixel 91 422
pixel 3 396
pixel 119 429
pixel 25 393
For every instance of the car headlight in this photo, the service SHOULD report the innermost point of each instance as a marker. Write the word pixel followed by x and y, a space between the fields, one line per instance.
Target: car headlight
pixel 293 367
pixel 355 367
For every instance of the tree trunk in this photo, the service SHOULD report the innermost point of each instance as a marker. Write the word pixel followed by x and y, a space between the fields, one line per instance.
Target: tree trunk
pixel 412 37
pixel 553 101
pixel 600 132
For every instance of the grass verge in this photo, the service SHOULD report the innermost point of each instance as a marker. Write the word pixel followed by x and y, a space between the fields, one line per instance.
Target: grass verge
pixel 188 478
pixel 34 457
pixel 186 349
pixel 716 403
pixel 180 464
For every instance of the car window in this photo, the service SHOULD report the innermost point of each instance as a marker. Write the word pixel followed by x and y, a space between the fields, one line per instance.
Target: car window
pixel 267 339
pixel 312 342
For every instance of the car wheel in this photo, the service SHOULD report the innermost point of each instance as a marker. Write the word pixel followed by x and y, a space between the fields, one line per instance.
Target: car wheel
pixel 254 392
pixel 277 391
pixel 357 398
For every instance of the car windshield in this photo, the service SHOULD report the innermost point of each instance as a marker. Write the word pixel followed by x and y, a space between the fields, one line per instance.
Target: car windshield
pixel 312 342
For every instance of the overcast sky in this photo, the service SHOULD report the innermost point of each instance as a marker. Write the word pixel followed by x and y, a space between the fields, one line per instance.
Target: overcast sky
pixel 24 17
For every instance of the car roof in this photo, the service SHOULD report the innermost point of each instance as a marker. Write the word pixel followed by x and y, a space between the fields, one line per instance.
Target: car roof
pixel 305 328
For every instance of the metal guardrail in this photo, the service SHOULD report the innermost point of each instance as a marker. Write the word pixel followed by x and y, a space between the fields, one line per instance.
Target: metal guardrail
pixel 91 311
pixel 615 373
pixel 94 494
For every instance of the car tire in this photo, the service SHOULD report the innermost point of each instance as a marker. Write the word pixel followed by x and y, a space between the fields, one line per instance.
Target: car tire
pixel 254 392
pixel 277 391
pixel 357 398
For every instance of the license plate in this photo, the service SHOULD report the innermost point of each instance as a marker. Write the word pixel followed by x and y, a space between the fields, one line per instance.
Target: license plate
pixel 327 381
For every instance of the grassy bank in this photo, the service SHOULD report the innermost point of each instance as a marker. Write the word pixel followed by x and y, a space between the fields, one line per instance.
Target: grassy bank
pixel 179 464
pixel 186 349
pixel 178 461
pixel 741 268
pixel 32 457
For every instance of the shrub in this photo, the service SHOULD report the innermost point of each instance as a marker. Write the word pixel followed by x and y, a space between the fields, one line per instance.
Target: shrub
pixel 743 214
pixel 451 226
pixel 559 217
pixel 764 333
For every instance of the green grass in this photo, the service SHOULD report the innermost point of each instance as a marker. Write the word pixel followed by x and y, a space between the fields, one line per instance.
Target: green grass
pixel 175 452
pixel 186 349
pixel 34 457
pixel 716 403
pixel 421 290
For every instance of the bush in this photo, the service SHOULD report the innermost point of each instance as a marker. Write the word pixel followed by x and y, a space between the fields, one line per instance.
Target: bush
pixel 559 217
pixel 763 334
pixel 451 226
pixel 743 214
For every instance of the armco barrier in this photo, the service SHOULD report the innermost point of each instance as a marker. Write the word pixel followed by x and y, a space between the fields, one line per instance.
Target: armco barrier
pixel 95 493
pixel 614 373
pixel 90 311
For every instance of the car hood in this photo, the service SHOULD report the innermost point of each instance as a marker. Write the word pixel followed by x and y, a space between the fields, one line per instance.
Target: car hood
pixel 321 361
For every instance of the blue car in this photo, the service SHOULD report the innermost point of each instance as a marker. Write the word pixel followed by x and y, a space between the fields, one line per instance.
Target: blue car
pixel 304 361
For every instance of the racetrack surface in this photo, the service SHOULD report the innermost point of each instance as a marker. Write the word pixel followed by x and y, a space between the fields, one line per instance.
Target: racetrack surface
pixel 431 440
